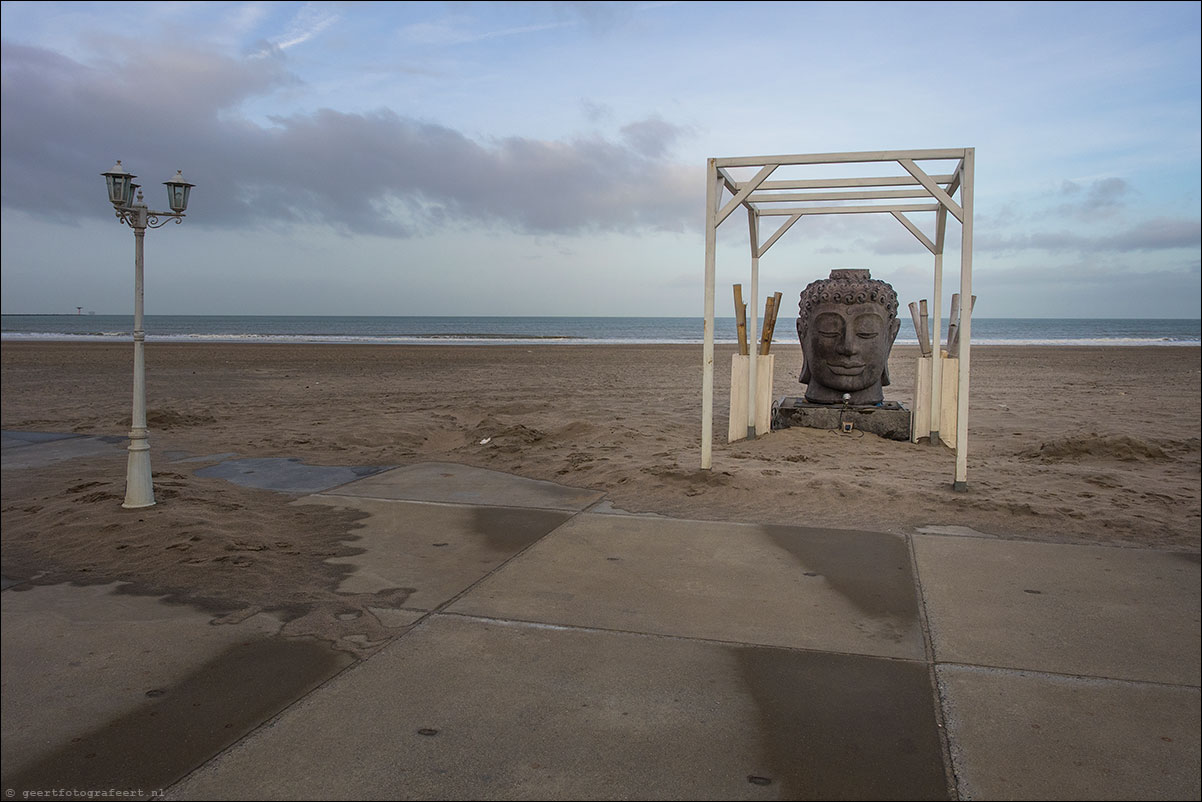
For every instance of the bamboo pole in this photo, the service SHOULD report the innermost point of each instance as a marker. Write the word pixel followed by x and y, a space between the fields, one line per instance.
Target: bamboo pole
pixel 953 345
pixel 953 321
pixel 920 328
pixel 741 320
pixel 753 231
pixel 771 310
pixel 926 325
pixel 936 325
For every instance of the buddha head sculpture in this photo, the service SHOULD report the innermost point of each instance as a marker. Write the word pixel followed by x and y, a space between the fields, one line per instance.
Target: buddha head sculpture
pixel 847 324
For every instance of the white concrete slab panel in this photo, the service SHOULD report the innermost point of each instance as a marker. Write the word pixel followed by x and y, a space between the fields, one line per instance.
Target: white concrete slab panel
pixel 1097 611
pixel 772 585
pixel 434 550
pixel 1026 735
pixel 451 483
pixel 468 709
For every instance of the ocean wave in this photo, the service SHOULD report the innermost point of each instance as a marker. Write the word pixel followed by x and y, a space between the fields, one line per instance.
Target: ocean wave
pixel 535 339
pixel 348 339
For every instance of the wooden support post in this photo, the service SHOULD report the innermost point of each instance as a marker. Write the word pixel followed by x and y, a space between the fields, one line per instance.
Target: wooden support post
pixel 967 169
pixel 707 351
pixel 936 323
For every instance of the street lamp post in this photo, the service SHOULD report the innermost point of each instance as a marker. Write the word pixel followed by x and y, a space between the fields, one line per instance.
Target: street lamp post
pixel 126 197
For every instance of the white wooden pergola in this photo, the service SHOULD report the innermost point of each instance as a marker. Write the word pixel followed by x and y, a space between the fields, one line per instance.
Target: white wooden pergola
pixel 900 195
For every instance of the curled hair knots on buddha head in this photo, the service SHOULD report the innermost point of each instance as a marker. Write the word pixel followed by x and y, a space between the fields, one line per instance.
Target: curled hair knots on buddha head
pixel 845 287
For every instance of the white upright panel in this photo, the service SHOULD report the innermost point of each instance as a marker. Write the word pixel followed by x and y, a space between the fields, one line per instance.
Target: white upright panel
pixel 763 393
pixel 737 427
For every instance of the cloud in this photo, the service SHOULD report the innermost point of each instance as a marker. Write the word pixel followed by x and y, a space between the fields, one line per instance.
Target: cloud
pixel 1103 198
pixel 1156 234
pixel 595 112
pixel 1094 287
pixel 379 172
pixel 461 31
pixel 652 137
pixel 309 21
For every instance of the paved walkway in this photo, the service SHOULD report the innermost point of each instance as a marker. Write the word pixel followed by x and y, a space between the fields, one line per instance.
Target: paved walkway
pixel 555 648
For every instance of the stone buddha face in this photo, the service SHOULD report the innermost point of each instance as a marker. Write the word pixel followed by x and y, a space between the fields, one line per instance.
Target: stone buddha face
pixel 847 326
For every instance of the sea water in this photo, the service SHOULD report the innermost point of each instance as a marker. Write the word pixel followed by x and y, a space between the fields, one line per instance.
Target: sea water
pixel 551 330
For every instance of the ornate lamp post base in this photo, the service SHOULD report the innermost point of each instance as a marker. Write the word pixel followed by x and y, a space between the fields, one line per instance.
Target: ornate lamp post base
pixel 139 489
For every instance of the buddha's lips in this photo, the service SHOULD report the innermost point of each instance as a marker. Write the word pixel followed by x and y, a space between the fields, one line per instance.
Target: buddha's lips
pixel 845 370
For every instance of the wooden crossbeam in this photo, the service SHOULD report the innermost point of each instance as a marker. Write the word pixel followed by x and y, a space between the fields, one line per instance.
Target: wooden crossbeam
pixel 840 183
pixel 936 190
pixel 905 221
pixel 760 196
pixel 933 207
pixel 763 249
pixel 836 158
pixel 745 190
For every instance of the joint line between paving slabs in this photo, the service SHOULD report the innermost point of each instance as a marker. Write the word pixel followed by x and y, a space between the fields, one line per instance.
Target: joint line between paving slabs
pixel 334 496
pixel 519 622
pixel 937 700
pixel 1094 678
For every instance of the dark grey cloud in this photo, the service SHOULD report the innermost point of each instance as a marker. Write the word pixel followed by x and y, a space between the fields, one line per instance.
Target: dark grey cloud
pixel 653 137
pixel 1156 234
pixel 382 172
pixel 1101 198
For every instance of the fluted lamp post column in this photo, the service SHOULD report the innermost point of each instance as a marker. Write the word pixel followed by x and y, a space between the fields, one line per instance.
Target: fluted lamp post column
pixel 126 197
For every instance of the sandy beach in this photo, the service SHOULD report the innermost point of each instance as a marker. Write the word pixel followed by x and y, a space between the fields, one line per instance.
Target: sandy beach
pixel 1076 445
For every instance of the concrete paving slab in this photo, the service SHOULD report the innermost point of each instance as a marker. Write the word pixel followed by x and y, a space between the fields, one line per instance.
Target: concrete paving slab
pixel 1025 735
pixel 24 450
pixel 463 484
pixel 468 709
pixel 286 475
pixel 435 550
pixel 1090 610
pixel 771 585
pixel 104 690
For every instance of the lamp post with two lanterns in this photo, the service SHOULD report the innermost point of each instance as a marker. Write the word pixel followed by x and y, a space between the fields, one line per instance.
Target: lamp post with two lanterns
pixel 126 197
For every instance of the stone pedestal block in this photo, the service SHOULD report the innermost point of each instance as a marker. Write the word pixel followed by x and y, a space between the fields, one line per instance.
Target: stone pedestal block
pixel 890 419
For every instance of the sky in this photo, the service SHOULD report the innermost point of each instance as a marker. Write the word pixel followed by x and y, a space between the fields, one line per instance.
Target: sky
pixel 547 158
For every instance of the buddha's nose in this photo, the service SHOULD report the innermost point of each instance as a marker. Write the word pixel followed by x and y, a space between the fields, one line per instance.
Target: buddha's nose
pixel 848 343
